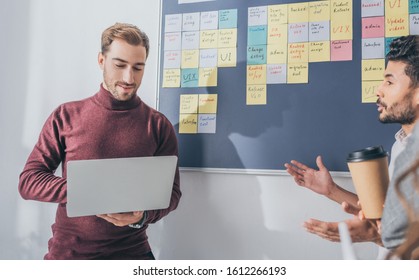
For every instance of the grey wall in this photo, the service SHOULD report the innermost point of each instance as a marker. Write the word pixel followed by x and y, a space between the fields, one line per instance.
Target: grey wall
pixel 49 50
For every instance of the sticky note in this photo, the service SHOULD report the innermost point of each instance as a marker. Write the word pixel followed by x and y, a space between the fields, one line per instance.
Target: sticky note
pixel 256 74
pixel 188 123
pixel 256 54
pixel 173 23
pixel 373 27
pixel 189 78
pixel 227 19
pixel 276 74
pixel 373 69
pixel 209 20
pixel 190 40
pixel 188 104
pixel 372 8
pixel 341 29
pixel 298 12
pixel 413 6
pixel 341 10
pixel 396 8
pixel 319 11
pixel 277 54
pixel 369 91
pixel 278 14
pixel 227 57
pixel 277 34
pixel 297 73
pixel 257 35
pixel 190 21
pixel 208 77
pixel 207 103
pixel 172 41
pixel 171 78
pixel 319 31
pixel 397 25
pixel 207 123
pixel 373 48
pixel 227 38
pixel 341 50
pixel 298 32
pixel 171 59
pixel 256 95
pixel 319 51
pixel 257 16
pixel 190 59
pixel 208 58
pixel 209 39
pixel 298 53
pixel 414 24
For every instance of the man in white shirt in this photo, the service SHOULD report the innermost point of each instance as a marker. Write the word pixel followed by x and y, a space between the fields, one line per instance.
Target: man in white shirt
pixel 398 102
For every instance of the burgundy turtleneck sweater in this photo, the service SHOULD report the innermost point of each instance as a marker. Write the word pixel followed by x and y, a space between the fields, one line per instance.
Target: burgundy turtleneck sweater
pixel 96 128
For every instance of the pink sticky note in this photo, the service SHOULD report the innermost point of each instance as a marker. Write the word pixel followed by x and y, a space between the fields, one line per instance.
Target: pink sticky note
pixel 373 27
pixel 341 50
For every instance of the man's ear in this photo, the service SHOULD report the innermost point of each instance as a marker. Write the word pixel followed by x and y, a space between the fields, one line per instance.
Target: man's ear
pixel 101 60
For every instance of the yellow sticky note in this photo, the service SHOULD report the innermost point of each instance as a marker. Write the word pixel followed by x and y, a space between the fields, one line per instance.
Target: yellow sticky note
pixel 298 12
pixel 188 123
pixel 341 9
pixel 171 78
pixel 227 38
pixel 395 8
pixel 277 54
pixel 256 95
pixel 207 104
pixel 188 104
pixel 190 59
pixel 209 39
pixel 319 10
pixel 277 14
pixel 341 29
pixel 369 91
pixel 373 69
pixel 208 77
pixel 227 57
pixel 297 73
pixel 256 74
pixel 319 51
pixel 277 34
pixel 298 53
pixel 397 25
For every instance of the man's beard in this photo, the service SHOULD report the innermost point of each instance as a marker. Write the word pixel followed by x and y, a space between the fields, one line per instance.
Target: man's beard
pixel 398 113
pixel 112 87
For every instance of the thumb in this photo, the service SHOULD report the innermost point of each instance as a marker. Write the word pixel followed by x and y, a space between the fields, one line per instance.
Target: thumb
pixel 320 164
pixel 349 208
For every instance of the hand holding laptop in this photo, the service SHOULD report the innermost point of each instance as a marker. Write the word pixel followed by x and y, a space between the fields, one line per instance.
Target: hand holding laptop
pixel 123 219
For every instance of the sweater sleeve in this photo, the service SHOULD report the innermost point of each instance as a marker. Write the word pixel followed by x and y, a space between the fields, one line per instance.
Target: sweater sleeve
pixel 168 146
pixel 37 180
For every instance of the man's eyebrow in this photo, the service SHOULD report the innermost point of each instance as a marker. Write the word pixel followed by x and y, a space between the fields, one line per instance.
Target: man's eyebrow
pixel 124 61
pixel 388 75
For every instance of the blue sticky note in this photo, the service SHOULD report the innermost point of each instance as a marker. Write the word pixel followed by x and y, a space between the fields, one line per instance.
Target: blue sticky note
pixel 413 6
pixel 227 19
pixel 257 35
pixel 256 55
pixel 207 123
pixel 189 77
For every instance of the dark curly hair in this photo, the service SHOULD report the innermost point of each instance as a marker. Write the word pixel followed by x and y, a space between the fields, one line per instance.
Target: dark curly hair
pixel 406 49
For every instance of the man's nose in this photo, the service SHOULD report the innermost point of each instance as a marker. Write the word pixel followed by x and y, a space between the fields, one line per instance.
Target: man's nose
pixel 128 76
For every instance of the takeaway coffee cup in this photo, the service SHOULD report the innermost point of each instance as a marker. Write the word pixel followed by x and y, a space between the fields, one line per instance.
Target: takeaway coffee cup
pixel 369 170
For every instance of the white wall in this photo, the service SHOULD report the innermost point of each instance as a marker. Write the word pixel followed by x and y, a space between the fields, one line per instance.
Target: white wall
pixel 49 50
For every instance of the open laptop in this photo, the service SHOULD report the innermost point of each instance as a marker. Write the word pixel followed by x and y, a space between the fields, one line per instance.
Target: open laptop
pixel 104 186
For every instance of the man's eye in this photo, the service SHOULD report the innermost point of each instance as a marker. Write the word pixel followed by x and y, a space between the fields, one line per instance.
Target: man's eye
pixel 119 65
pixel 138 69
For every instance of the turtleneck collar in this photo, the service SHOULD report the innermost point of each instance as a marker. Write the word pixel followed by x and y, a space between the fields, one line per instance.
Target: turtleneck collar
pixel 106 99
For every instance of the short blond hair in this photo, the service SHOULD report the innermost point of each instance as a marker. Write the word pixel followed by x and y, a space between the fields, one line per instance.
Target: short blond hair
pixel 127 32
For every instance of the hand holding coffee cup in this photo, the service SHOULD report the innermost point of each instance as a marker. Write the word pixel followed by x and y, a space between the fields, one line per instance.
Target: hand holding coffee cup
pixel 369 170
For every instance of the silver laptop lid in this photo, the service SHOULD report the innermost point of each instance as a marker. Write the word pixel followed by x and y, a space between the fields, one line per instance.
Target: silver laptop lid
pixel 103 186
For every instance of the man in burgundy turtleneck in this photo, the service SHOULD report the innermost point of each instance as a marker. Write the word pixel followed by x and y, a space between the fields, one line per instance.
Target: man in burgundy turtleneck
pixel 113 123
